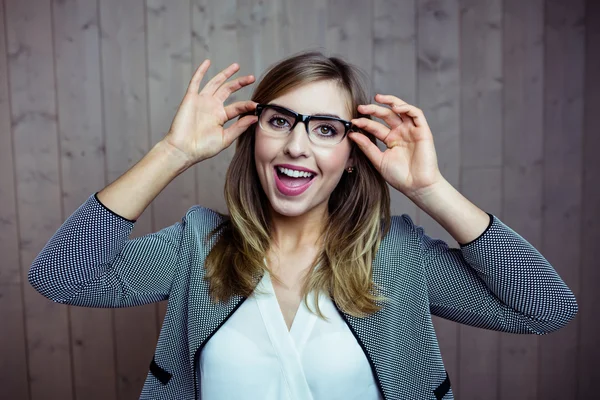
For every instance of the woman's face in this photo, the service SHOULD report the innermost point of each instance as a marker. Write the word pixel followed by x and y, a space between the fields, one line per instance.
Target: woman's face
pixel 277 157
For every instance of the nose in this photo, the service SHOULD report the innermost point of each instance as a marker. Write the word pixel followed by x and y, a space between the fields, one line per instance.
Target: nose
pixel 298 143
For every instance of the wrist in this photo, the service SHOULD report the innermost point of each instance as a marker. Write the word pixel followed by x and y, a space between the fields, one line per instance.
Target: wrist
pixel 430 192
pixel 174 158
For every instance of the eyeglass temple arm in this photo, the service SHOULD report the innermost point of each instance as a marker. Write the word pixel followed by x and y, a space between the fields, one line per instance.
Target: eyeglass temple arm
pixel 246 114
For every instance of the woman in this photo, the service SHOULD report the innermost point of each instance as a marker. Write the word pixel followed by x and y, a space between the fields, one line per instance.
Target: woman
pixel 308 289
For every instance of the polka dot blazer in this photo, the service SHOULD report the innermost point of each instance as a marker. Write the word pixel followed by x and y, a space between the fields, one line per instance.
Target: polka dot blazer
pixel 498 281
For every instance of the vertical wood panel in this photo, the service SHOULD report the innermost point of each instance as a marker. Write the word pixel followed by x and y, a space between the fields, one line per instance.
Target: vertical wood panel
pixel 270 37
pixel 169 72
pixel 124 80
pixel 523 169
pixel 563 138
pixel 247 53
pixel 214 33
pixel 481 84
pixel 481 168
pixel 350 32
pixel 33 109
pixel 305 25
pixel 438 97
pixel 79 105
pixel 478 349
pixel 395 67
pixel 263 36
pixel 77 55
pixel 13 347
pixel 589 300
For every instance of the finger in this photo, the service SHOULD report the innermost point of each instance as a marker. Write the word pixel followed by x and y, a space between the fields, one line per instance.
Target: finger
pixel 379 130
pixel 194 86
pixel 230 87
pixel 386 114
pixel 416 114
pixel 398 105
pixel 214 84
pixel 369 148
pixel 389 100
pixel 239 127
pixel 240 107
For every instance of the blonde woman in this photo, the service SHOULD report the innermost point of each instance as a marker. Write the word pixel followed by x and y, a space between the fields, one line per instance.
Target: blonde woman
pixel 307 289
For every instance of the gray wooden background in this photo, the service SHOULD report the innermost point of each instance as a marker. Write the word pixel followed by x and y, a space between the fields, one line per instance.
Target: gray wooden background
pixel 510 89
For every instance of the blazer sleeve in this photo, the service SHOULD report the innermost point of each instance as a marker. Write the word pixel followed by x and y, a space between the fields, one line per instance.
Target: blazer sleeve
pixel 498 281
pixel 90 261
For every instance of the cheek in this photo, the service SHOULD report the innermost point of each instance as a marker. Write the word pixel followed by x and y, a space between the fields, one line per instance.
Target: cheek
pixel 264 150
pixel 334 161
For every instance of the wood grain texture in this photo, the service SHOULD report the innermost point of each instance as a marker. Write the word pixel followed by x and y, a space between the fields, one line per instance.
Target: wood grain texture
pixel 438 77
pixel 564 63
pixel 214 36
pixel 350 32
pixel 478 348
pixel 481 83
pixel 36 154
pixel 268 31
pixel 13 346
pixel 510 89
pixel 305 25
pixel 125 105
pixel 77 59
pixel 589 298
pixel 522 169
pixel 169 73
pixel 395 67
pixel 481 168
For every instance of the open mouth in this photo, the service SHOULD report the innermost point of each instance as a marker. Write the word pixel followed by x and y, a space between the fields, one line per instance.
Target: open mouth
pixel 293 178
pixel 292 182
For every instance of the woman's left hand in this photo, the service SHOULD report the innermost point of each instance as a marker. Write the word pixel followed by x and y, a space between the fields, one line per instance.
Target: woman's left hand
pixel 409 163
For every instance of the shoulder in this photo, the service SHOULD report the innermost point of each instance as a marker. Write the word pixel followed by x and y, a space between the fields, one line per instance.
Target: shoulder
pixel 203 221
pixel 401 237
pixel 205 214
pixel 401 226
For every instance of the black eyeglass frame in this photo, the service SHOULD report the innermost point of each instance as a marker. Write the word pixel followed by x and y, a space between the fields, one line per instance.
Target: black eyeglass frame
pixel 306 119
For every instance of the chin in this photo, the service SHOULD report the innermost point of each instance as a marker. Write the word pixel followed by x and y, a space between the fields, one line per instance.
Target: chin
pixel 289 210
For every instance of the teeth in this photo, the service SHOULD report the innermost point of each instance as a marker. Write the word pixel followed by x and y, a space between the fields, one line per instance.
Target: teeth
pixel 294 173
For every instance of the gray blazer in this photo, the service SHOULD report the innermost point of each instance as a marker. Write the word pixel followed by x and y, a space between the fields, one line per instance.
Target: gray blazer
pixel 498 281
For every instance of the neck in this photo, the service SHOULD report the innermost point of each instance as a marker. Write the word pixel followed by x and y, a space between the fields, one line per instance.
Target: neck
pixel 293 233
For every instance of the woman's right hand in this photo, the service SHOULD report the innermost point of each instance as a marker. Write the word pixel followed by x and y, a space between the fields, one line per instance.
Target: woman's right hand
pixel 197 129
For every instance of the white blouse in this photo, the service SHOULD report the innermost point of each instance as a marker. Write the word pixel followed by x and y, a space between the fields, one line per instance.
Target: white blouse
pixel 254 356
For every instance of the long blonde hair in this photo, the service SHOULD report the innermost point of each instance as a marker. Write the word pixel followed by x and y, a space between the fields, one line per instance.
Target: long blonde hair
pixel 359 207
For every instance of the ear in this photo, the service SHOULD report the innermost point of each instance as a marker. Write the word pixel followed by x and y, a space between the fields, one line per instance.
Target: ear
pixel 350 162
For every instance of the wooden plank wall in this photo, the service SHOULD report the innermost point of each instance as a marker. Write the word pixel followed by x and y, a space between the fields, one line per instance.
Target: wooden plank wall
pixel 510 88
pixel 481 167
pixel 588 350
pixel 82 159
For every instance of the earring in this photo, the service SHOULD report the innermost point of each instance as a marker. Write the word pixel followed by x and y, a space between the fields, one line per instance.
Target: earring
pixel 350 170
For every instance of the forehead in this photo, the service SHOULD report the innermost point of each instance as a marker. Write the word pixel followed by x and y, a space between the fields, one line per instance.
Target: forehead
pixel 323 97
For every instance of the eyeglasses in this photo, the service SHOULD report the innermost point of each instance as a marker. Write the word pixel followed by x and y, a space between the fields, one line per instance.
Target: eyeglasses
pixel 322 130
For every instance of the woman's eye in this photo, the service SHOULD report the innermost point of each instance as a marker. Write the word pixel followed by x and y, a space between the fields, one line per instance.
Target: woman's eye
pixel 278 122
pixel 326 130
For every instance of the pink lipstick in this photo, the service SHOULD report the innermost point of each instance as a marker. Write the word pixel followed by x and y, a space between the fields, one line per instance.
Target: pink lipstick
pixel 292 186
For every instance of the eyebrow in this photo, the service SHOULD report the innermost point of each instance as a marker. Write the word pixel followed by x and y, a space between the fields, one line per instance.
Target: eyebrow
pixel 312 115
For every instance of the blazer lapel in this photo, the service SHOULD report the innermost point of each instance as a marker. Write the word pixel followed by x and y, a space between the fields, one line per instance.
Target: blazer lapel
pixel 204 316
